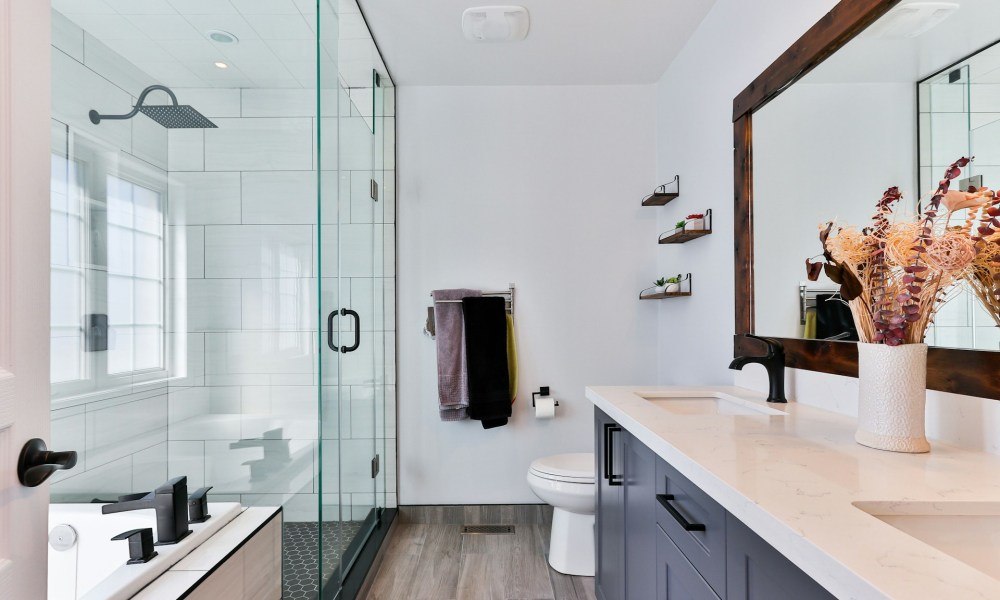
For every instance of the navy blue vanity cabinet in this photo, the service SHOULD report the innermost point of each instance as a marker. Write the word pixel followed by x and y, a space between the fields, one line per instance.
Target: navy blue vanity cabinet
pixel 610 526
pixel 756 571
pixel 676 578
pixel 640 514
pixel 661 536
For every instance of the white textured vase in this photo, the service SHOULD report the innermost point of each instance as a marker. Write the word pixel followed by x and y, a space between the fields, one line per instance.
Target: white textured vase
pixel 893 392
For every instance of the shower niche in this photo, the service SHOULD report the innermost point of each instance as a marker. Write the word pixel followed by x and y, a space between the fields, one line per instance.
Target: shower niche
pixel 226 233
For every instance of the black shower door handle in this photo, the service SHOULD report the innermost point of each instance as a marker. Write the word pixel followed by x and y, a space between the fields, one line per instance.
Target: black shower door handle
pixel 357 330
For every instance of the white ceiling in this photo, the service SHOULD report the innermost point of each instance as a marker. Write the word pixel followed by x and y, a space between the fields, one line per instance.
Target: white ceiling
pixel 277 40
pixel 588 42
pixel 869 59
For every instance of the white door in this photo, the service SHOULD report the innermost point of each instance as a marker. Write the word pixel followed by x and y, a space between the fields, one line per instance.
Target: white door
pixel 25 77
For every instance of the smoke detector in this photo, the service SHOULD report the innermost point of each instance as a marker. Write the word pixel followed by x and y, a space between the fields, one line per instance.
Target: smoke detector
pixel 495 23
pixel 912 19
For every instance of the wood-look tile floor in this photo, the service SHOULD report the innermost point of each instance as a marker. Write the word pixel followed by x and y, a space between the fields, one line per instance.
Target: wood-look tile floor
pixel 425 561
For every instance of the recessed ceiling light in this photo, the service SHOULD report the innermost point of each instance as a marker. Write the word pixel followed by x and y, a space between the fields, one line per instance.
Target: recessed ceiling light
pixel 221 65
pixel 222 37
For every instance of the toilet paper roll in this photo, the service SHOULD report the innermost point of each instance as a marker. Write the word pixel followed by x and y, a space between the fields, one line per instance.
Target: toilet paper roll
pixel 545 407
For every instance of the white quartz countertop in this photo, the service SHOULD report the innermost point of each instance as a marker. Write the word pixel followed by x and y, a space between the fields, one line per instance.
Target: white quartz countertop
pixel 793 480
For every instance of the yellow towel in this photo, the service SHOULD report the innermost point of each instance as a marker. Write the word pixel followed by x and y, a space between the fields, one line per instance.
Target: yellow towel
pixel 511 358
pixel 809 330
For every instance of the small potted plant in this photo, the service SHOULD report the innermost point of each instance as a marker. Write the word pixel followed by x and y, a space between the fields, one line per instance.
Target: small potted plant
pixel 659 285
pixel 695 222
pixel 671 285
pixel 680 225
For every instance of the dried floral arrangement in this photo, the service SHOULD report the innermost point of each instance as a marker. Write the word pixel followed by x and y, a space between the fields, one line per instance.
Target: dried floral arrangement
pixel 983 275
pixel 895 275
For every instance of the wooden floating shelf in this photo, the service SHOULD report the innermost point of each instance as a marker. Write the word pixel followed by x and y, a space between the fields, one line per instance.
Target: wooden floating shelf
pixel 680 236
pixel 659 199
pixel 661 196
pixel 684 289
pixel 662 296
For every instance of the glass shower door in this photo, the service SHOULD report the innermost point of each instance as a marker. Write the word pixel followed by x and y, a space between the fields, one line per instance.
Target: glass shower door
pixel 346 255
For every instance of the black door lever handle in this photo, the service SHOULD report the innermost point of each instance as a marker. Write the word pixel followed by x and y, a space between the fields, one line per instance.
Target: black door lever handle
pixel 37 463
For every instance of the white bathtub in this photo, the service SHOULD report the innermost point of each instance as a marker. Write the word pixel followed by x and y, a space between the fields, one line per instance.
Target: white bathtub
pixel 94 567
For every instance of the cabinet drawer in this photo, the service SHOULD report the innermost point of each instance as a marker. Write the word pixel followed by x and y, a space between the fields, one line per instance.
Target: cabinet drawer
pixel 694 522
pixel 676 579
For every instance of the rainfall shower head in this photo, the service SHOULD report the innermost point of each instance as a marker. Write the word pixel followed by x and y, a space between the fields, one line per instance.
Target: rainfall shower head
pixel 171 116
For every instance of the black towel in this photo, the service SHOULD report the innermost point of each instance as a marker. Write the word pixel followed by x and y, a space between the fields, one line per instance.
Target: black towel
pixel 486 360
pixel 834 318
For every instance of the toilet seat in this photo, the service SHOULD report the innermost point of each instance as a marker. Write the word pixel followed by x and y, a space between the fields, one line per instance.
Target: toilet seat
pixel 568 468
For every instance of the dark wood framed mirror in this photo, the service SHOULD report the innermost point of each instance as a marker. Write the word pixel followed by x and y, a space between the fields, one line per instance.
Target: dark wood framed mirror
pixel 960 371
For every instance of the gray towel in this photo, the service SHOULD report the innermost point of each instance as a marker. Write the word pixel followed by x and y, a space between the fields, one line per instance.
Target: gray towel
pixel 453 383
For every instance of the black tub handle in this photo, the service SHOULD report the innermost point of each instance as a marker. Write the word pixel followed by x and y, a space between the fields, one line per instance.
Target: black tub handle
pixel 664 500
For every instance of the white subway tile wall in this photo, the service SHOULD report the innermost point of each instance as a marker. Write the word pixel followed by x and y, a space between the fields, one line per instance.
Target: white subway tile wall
pixel 241 408
pixel 961 120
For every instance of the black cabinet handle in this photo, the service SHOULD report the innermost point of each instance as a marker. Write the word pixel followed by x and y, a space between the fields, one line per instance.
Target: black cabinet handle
pixel 357 330
pixel 664 500
pixel 609 456
pixel 37 463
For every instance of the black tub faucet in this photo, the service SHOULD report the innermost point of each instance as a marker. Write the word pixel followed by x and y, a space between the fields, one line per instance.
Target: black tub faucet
pixel 170 501
pixel 773 361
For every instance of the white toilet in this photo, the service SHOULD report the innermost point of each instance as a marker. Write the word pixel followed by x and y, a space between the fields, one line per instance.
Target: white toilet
pixel 566 481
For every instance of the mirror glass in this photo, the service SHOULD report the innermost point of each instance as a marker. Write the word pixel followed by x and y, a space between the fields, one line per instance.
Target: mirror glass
pixel 917 90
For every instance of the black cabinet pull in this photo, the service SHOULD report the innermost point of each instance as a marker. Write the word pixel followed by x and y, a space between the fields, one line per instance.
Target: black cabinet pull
pixel 357 330
pixel 609 457
pixel 664 500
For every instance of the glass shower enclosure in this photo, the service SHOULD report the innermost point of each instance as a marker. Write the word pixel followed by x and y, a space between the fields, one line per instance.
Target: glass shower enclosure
pixel 223 298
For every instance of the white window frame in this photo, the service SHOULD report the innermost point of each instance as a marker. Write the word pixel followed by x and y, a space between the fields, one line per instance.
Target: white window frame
pixel 97 162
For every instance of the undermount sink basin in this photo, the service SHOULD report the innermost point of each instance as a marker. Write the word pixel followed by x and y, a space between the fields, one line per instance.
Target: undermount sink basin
pixel 708 404
pixel 967 531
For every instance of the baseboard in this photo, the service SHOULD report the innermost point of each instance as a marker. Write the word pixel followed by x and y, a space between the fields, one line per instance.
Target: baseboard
pixel 477 514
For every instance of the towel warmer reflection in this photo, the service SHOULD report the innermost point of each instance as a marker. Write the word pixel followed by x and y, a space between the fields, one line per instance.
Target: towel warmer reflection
pixel 807 299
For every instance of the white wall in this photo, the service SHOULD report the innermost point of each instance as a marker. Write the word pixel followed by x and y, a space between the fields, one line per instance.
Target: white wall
pixel 694 106
pixel 539 186
pixel 695 138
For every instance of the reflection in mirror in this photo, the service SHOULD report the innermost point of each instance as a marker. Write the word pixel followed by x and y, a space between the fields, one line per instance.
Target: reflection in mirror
pixel 893 107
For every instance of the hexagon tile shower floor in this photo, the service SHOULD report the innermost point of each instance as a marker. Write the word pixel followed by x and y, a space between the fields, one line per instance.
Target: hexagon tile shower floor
pixel 299 552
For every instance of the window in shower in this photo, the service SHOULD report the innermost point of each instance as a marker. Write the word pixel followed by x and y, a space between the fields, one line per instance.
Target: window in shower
pixel 135 283
pixel 108 258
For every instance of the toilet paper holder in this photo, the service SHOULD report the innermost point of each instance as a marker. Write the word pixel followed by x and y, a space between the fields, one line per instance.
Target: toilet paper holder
pixel 542 391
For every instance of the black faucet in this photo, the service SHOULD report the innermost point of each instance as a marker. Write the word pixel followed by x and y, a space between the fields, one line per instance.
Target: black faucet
pixel 773 361
pixel 171 503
